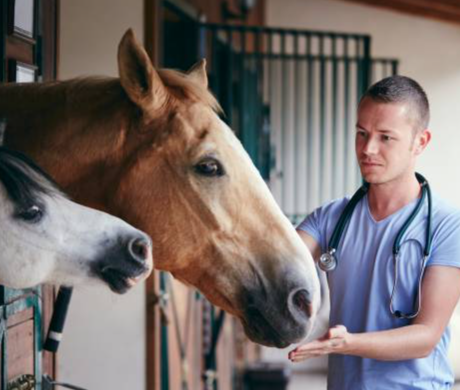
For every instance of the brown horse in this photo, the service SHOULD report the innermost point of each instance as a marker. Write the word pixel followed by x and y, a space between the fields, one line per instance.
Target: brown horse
pixel 150 148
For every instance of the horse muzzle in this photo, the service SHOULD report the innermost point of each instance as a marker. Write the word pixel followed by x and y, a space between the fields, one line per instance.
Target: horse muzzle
pixel 275 322
pixel 125 265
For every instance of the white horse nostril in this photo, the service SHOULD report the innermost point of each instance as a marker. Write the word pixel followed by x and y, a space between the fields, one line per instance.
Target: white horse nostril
pixel 139 249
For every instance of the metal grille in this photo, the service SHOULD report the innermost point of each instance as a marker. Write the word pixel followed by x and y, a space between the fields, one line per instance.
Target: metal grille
pixel 291 96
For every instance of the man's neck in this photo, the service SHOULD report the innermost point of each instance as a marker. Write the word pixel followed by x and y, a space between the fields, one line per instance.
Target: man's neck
pixel 385 199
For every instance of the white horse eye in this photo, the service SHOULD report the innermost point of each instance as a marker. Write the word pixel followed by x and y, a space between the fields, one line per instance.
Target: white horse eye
pixel 209 167
pixel 32 215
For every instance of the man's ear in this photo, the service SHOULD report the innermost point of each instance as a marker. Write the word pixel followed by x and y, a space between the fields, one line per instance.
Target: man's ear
pixel 422 140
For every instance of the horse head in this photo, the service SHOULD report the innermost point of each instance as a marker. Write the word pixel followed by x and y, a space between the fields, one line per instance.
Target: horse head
pixel 214 222
pixel 46 238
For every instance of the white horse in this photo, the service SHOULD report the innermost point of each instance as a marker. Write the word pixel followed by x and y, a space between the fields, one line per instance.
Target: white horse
pixel 46 238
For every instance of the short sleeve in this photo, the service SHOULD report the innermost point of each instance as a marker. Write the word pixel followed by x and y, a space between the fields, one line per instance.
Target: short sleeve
pixel 320 223
pixel 311 225
pixel 446 242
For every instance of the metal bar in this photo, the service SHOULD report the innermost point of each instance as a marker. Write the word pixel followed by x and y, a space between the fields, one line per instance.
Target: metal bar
pixel 335 117
pixel 361 86
pixel 359 69
pixel 394 67
pixel 38 337
pixel 367 64
pixel 214 62
pixel 271 97
pixel 284 125
pixel 296 155
pixel 4 344
pixel 164 340
pixel 310 122
pixel 229 78
pixel 322 126
pixel 258 99
pixel 241 100
pixel 366 83
pixel 346 114
pixel 210 358
pixel 373 70
pixel 271 157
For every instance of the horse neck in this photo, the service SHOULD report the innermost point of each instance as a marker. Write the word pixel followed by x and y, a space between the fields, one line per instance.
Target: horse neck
pixel 69 128
pixel 15 99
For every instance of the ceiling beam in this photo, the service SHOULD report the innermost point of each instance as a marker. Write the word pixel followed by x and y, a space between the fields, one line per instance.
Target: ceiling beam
pixel 446 10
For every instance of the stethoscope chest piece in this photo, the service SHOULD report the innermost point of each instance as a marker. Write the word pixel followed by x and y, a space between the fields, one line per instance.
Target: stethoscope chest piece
pixel 328 261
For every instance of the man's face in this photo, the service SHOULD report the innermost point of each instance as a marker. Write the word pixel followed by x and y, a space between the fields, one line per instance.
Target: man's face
pixel 386 141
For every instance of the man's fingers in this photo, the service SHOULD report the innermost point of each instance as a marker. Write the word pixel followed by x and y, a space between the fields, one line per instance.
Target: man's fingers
pixel 299 356
pixel 309 346
pixel 332 340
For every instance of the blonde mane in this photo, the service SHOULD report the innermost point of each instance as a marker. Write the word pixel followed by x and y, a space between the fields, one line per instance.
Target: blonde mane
pixel 176 80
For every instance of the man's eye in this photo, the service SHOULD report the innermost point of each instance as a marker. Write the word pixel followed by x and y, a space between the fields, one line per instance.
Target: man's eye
pixel 386 138
pixel 32 214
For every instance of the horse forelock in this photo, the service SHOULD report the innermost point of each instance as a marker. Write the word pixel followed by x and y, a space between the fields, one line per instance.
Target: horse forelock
pixel 190 89
pixel 23 180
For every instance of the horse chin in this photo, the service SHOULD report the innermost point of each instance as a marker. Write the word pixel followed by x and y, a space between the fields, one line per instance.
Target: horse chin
pixel 260 331
pixel 118 281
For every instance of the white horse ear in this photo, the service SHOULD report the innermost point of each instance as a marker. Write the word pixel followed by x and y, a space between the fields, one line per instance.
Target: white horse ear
pixel 198 73
pixel 138 77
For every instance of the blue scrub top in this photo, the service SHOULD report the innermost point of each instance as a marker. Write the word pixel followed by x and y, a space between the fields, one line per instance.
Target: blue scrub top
pixel 361 285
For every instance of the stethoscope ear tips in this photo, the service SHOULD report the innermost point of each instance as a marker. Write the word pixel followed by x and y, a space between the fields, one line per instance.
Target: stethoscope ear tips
pixel 398 314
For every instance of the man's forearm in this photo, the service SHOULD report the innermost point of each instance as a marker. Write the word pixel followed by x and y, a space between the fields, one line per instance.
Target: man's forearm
pixel 409 342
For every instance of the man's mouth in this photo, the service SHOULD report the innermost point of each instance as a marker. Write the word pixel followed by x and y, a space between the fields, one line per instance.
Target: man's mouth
pixel 370 164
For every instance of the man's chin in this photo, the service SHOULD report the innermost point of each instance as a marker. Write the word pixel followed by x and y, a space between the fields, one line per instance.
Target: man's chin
pixel 372 178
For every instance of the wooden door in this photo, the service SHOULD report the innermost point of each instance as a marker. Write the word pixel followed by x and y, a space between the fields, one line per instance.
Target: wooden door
pixel 28 52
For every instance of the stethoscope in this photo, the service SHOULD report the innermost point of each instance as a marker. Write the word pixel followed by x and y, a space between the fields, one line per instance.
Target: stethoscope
pixel 328 260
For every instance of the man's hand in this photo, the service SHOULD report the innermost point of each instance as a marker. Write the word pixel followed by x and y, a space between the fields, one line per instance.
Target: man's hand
pixel 335 340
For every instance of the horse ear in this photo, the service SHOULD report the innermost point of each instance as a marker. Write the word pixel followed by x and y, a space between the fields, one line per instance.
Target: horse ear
pixel 138 77
pixel 198 73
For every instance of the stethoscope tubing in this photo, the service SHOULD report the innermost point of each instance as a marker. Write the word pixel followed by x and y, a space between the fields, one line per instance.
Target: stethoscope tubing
pixel 328 260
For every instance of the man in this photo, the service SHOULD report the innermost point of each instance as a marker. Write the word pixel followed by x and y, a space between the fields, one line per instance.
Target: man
pixel 368 346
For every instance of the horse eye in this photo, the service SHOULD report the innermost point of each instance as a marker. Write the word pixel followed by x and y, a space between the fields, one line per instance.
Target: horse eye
pixel 209 167
pixel 32 215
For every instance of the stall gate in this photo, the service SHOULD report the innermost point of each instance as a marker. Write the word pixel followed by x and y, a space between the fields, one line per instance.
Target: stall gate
pixel 290 96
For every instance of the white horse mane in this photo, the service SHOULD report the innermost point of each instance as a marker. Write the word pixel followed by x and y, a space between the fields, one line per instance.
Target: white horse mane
pixel 23 180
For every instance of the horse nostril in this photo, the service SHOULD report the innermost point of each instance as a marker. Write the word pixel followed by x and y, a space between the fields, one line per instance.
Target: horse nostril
pixel 139 249
pixel 301 300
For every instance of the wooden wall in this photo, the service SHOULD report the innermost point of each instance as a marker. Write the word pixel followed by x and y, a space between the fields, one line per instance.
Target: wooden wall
pixel 212 9
pixel 445 10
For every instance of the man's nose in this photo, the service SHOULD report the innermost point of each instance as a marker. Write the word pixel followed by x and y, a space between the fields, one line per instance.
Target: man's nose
pixel 371 146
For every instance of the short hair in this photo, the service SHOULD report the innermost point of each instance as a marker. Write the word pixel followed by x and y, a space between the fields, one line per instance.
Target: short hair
pixel 402 89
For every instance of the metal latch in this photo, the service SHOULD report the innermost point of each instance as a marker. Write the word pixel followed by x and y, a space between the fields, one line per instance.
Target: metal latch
pixel 49 384
pixel 24 382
